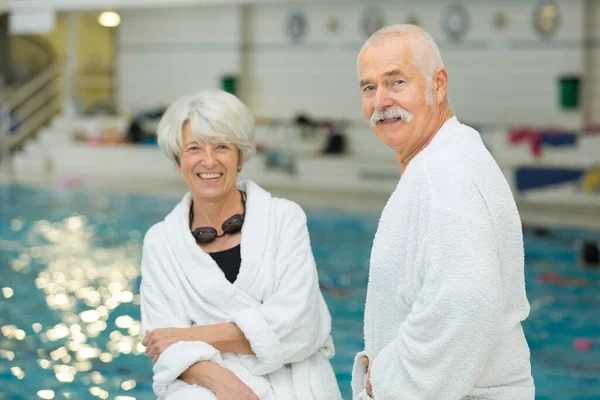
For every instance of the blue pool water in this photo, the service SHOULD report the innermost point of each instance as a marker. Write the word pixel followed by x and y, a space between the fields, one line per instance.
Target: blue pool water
pixel 69 317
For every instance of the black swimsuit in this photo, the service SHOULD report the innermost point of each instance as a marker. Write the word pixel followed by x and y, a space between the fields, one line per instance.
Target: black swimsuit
pixel 229 261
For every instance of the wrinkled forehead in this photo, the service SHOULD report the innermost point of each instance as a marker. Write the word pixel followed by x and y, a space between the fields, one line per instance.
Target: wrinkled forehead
pixel 384 55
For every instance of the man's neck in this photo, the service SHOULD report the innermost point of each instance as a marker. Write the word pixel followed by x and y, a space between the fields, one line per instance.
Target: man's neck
pixel 432 129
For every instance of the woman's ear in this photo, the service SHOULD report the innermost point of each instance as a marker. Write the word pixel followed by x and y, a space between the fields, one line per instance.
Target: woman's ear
pixel 178 163
pixel 240 162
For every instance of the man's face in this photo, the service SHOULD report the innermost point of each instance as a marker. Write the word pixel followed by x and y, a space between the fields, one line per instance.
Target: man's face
pixel 394 93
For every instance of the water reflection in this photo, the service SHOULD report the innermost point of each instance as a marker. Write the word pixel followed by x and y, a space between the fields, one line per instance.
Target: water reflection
pixel 82 286
pixel 69 316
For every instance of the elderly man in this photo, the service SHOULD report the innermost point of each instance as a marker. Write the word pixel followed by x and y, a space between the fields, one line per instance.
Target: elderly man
pixel 446 292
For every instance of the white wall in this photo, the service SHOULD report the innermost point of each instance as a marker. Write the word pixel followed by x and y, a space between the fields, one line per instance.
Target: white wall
pixel 164 54
pixel 496 77
pixel 317 75
pixel 593 62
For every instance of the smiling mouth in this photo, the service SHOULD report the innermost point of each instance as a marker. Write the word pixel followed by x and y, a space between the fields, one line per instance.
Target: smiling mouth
pixel 209 176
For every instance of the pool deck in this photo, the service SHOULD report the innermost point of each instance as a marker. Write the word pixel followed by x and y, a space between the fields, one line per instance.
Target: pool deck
pixel 361 181
pixel 554 208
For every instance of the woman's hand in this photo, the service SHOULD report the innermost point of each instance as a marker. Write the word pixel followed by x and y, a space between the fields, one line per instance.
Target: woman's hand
pixel 230 387
pixel 221 381
pixel 158 340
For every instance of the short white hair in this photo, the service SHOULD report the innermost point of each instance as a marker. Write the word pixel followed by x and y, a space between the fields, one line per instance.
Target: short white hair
pixel 215 116
pixel 425 52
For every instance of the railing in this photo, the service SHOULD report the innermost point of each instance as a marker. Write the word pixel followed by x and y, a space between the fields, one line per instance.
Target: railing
pixel 27 109
pixel 29 55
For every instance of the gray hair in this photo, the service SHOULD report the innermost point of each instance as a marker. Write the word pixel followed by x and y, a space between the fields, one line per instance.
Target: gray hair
pixel 215 116
pixel 425 52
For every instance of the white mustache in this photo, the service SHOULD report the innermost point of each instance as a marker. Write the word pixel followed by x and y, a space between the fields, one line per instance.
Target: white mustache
pixel 390 113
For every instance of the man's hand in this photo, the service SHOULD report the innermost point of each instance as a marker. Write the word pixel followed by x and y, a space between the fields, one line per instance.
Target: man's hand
pixel 365 361
pixel 158 340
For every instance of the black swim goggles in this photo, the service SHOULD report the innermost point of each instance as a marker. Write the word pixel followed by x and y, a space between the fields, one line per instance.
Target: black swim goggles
pixel 207 234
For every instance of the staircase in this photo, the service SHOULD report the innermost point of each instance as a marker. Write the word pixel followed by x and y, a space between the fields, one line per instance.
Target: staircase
pixel 30 98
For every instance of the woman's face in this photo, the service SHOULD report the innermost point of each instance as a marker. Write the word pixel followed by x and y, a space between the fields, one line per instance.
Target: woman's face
pixel 209 169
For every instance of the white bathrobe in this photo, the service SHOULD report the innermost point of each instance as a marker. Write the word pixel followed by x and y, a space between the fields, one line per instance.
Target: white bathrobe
pixel 275 301
pixel 446 292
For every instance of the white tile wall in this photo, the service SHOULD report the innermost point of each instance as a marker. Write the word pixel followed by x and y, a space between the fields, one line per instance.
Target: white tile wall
pixel 593 80
pixel 496 77
pixel 167 53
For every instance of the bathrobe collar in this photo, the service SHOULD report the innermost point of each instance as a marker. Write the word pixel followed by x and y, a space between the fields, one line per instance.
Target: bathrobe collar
pixel 200 268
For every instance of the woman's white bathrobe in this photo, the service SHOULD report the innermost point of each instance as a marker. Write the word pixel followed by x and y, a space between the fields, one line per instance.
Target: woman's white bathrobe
pixel 446 292
pixel 275 301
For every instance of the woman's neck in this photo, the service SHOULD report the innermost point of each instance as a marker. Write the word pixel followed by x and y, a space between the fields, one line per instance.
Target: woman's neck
pixel 214 213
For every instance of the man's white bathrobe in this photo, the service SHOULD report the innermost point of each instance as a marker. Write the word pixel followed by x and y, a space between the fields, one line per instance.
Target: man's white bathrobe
pixel 275 301
pixel 446 292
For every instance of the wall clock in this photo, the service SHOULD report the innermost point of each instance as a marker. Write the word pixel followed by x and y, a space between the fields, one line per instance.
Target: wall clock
pixel 546 18
pixel 296 25
pixel 500 21
pixel 455 21
pixel 372 20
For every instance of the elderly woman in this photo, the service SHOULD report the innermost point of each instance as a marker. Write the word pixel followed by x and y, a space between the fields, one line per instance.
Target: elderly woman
pixel 231 306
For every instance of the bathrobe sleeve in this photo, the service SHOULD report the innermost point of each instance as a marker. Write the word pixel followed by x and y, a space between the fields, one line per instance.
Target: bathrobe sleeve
pixel 161 308
pixel 455 322
pixel 294 322
pixel 359 377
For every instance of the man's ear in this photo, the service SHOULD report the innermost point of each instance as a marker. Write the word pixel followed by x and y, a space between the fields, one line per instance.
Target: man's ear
pixel 440 84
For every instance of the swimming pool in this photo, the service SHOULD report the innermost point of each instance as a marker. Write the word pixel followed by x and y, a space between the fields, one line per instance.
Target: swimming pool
pixel 69 317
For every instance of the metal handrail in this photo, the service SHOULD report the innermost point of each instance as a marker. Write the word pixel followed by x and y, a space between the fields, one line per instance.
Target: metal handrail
pixel 31 124
pixel 40 46
pixel 34 102
pixel 31 105
pixel 28 89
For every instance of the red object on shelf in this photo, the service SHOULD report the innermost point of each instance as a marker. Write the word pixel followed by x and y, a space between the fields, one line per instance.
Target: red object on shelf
pixel 534 138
